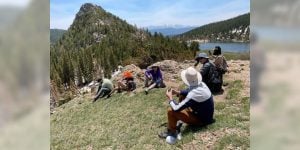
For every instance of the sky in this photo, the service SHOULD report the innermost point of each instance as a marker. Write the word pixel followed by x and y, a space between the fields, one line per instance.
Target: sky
pixel 145 13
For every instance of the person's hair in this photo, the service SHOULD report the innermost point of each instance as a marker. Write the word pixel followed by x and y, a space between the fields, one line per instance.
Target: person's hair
pixel 99 80
pixel 217 50
pixel 154 67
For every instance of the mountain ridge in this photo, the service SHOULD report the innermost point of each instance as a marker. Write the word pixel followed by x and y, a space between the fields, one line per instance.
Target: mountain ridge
pixel 56 34
pixel 170 30
pixel 229 30
pixel 98 41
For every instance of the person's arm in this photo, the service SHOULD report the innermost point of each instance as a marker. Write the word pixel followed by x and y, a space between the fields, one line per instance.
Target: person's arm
pixel 187 102
pixel 205 69
pixel 175 92
pixel 197 62
pixel 147 74
pixel 225 61
pixel 178 107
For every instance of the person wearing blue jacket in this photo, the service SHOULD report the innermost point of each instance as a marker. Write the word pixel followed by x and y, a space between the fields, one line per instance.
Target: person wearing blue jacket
pixel 196 108
pixel 154 76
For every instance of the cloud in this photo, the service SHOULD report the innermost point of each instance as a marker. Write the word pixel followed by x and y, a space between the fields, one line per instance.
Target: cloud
pixel 186 13
pixel 154 12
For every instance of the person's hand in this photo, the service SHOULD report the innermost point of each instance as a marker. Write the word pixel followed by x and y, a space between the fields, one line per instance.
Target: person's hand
pixel 169 94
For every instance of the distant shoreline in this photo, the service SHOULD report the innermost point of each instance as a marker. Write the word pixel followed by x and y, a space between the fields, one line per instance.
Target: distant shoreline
pixel 209 41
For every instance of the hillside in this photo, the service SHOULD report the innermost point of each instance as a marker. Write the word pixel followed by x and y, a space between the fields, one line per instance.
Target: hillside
pixel 234 29
pixel 132 121
pixel 98 41
pixel 169 31
pixel 55 35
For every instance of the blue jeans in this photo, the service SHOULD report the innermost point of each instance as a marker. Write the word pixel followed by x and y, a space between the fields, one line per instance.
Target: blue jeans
pixel 102 92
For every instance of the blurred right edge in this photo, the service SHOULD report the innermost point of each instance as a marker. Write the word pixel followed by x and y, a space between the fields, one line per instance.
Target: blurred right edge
pixel 275 61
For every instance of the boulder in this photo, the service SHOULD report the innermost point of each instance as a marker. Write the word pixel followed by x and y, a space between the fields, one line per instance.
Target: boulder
pixel 136 72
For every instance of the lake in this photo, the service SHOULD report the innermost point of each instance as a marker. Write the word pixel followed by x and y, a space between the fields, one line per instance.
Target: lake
pixel 227 47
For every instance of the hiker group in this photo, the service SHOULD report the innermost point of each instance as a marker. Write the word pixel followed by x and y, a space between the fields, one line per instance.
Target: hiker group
pixel 195 105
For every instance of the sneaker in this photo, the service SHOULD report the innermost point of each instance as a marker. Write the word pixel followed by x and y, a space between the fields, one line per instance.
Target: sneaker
pixel 146 91
pixel 171 139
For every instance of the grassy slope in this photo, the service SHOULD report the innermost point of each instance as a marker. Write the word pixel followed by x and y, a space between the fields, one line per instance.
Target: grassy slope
pixel 125 122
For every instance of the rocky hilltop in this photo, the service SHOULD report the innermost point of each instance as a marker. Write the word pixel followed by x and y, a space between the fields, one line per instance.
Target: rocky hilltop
pixel 238 70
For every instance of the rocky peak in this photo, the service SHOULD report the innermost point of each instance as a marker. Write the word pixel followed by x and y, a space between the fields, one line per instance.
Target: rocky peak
pixel 89 6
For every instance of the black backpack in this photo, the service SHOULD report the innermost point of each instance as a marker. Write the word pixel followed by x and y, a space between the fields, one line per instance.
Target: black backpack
pixel 215 80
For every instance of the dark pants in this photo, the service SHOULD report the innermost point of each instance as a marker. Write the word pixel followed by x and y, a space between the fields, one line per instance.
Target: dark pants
pixel 185 115
pixel 102 92
pixel 158 83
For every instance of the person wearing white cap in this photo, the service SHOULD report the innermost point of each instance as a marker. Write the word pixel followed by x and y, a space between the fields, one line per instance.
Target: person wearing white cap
pixel 197 108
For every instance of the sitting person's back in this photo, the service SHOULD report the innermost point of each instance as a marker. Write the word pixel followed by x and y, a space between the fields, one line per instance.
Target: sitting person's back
pixel 220 60
pixel 195 106
pixel 200 100
pixel 107 84
pixel 210 76
pixel 203 105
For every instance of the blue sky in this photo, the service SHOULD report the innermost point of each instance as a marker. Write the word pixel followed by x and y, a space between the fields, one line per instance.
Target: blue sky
pixel 144 13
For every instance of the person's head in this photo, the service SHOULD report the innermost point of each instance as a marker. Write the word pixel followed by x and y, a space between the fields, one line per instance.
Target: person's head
pixel 99 80
pixel 202 58
pixel 127 75
pixel 217 50
pixel 191 77
pixel 155 68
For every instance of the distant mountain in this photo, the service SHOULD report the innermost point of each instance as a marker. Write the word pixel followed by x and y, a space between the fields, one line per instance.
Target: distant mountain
pixel 234 29
pixel 98 41
pixel 169 31
pixel 56 34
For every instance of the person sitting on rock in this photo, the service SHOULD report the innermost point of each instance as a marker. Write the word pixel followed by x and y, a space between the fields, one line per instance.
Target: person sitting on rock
pixel 210 76
pixel 154 75
pixel 196 108
pixel 104 89
pixel 126 84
